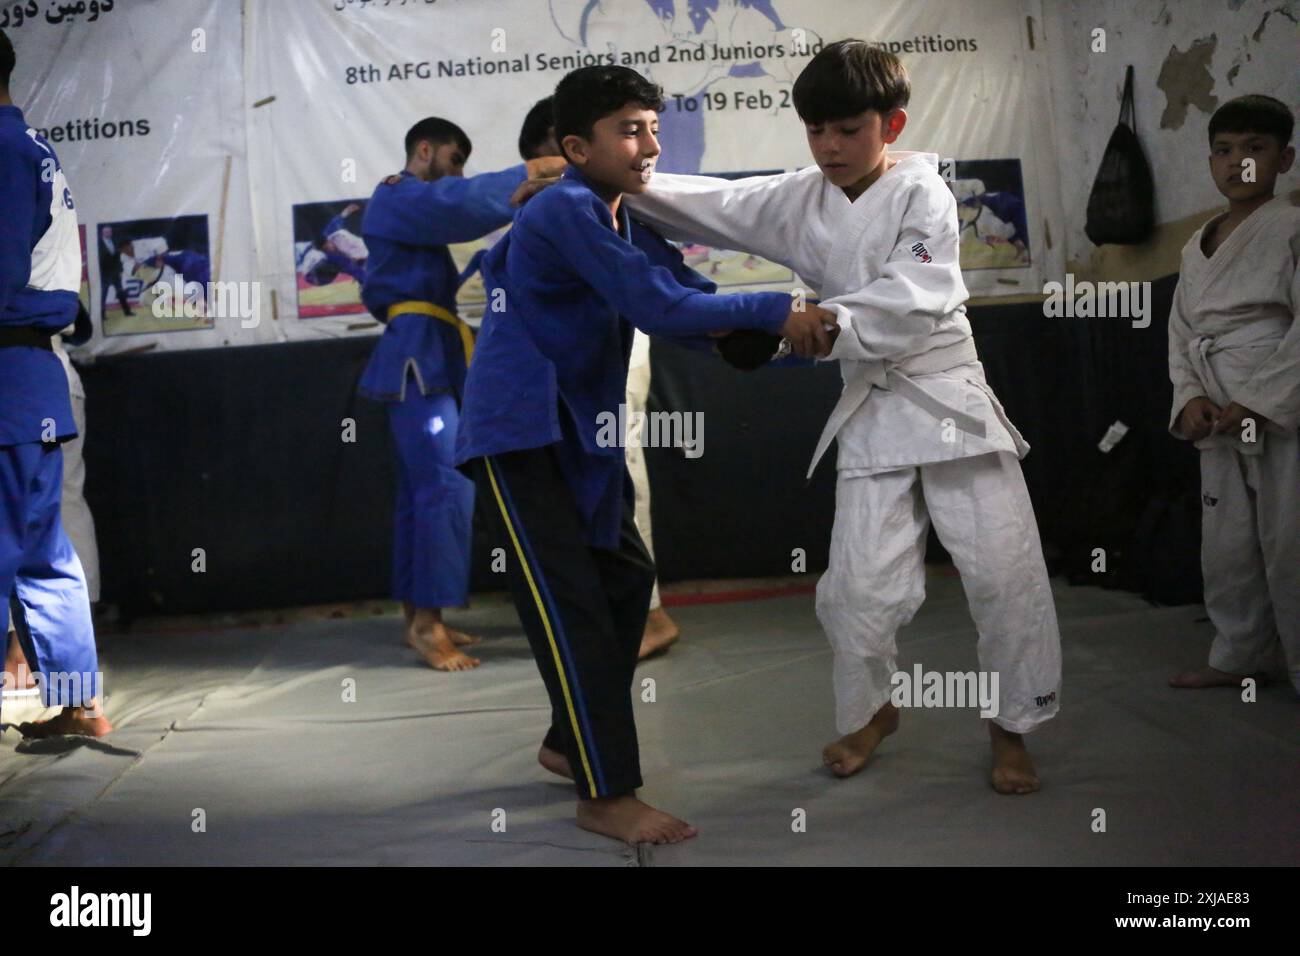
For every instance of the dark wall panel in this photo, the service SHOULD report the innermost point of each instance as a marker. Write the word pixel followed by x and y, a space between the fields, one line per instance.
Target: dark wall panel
pixel 240 452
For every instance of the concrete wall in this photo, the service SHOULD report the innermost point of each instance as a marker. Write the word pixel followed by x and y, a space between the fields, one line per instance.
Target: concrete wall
pixel 1189 56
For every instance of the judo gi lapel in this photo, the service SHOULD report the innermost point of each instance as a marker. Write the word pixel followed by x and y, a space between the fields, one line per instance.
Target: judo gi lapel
pixel 1206 270
pixel 855 260
pixel 857 255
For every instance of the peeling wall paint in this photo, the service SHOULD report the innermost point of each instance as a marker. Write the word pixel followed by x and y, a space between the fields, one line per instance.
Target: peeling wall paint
pixel 1186 80
pixel 1189 56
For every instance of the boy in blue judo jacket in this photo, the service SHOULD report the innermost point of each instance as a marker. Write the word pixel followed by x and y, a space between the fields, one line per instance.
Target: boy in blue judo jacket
pixel 41 579
pixel 565 287
pixel 418 366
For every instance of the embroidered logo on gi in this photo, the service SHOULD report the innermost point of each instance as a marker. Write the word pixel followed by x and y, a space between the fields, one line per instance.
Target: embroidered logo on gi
pixel 393 180
pixel 1044 701
pixel 920 253
pixel 1208 501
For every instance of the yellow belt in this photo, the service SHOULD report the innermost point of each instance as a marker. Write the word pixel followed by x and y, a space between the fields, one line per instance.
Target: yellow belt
pixel 438 312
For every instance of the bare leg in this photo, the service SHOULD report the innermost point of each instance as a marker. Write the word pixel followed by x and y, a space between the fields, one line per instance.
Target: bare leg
pixel 437 643
pixel 18 675
pixel 1013 771
pixel 661 633
pixel 1202 677
pixel 85 721
pixel 850 753
pixel 628 819
pixel 555 762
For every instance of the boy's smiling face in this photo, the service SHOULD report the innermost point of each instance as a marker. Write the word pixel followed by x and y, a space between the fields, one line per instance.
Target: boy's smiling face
pixel 1228 155
pixel 849 150
pixel 620 155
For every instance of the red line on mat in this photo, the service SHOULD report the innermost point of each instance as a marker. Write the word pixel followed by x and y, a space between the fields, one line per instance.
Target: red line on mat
pixel 742 594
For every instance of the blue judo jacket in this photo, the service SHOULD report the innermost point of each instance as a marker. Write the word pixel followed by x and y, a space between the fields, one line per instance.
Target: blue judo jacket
pixel 40 273
pixel 407 227
pixel 564 292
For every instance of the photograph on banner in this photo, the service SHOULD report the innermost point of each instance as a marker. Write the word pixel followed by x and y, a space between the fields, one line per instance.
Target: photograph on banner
pixel 329 257
pixel 141 258
pixel 990 197
pixel 84 293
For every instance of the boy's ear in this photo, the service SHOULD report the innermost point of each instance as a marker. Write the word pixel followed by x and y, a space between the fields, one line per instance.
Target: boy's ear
pixel 1288 157
pixel 575 149
pixel 894 123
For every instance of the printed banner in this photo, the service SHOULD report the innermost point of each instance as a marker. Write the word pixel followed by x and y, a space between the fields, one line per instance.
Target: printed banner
pixel 154 105
pixel 142 102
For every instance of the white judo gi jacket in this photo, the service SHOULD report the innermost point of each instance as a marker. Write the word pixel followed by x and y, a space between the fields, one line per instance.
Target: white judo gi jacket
pixel 887 265
pixel 1233 335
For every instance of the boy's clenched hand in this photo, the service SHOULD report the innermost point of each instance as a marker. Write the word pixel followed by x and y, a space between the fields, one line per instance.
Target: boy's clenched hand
pixel 810 330
pixel 1198 418
pixel 1233 417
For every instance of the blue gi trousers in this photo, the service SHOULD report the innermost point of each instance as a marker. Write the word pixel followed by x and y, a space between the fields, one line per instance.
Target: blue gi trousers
pixel 433 525
pixel 41 580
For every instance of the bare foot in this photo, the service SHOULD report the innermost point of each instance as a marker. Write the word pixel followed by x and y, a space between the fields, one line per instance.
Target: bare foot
pixel 630 820
pixel 87 722
pixel 436 645
pixel 18 675
pixel 1202 677
pixel 555 762
pixel 1013 771
pixel 850 753
pixel 661 633
pixel 461 639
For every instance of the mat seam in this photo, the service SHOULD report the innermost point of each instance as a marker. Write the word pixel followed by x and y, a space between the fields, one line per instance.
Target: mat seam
pixel 22 855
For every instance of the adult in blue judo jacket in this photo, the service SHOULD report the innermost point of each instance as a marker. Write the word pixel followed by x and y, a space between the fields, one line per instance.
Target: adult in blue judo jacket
pixel 418 366
pixel 566 286
pixel 42 585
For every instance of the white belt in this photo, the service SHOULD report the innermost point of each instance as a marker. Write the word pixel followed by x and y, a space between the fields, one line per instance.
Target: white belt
pixel 1257 335
pixel 1264 334
pixel 896 377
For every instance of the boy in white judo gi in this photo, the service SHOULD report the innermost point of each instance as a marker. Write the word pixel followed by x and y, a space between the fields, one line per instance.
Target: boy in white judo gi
pixel 921 436
pixel 1234 358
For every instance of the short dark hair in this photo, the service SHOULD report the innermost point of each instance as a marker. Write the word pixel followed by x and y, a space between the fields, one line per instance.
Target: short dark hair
pixel 849 77
pixel 1254 113
pixel 588 95
pixel 537 126
pixel 7 60
pixel 437 131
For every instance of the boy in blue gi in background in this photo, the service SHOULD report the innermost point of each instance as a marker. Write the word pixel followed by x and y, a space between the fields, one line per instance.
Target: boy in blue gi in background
pixel 418 366
pixel 41 579
pixel 565 288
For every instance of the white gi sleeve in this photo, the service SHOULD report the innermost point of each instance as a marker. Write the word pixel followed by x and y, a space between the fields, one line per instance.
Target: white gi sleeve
pixel 1187 385
pixel 1274 390
pixel 758 215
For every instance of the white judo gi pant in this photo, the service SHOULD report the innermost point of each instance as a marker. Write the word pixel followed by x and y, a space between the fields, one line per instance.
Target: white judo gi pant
pixel 875 582
pixel 638 391
pixel 1250 554
pixel 78 522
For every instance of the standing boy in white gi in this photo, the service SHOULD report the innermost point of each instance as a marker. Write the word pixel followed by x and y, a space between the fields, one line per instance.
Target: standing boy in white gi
pixel 1234 358
pixel 921 436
